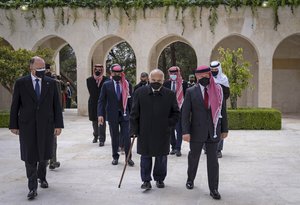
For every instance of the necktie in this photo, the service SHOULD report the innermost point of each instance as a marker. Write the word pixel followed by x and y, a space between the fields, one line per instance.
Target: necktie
pixel 205 98
pixel 37 89
pixel 118 90
pixel 173 87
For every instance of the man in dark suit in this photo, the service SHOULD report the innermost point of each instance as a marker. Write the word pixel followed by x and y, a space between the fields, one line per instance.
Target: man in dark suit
pixel 178 86
pixel 204 121
pixel 115 100
pixel 144 81
pixel 94 85
pixel 35 116
pixel 154 113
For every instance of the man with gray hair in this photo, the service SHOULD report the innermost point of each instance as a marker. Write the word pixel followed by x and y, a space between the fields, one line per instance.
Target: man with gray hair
pixel 154 112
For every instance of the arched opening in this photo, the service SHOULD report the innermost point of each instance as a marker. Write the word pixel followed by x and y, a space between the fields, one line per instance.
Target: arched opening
pixel 249 96
pixel 64 68
pixel 286 75
pixel 173 50
pixel 5 96
pixel 114 49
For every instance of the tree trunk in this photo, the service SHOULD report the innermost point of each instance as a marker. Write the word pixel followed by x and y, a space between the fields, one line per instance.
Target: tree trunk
pixel 164 61
pixel 233 101
pixel 173 56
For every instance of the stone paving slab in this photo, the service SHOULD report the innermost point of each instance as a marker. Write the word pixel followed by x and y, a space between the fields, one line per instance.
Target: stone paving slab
pixel 258 167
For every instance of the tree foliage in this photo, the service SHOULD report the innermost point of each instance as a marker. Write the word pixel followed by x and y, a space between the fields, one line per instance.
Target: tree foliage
pixel 123 55
pixel 237 71
pixel 68 65
pixel 178 54
pixel 15 63
pixel 37 6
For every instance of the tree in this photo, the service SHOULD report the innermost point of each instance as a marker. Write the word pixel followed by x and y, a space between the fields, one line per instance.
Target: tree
pixel 178 54
pixel 15 63
pixel 68 66
pixel 237 71
pixel 123 55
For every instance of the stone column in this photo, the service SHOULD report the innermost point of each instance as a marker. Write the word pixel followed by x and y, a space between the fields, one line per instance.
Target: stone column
pixel 265 72
pixel 57 65
pixel 83 72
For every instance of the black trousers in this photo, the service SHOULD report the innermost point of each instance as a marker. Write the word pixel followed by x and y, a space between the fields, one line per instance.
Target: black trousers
pixel 54 158
pixel 34 171
pixel 99 131
pixel 212 162
pixel 117 129
pixel 159 171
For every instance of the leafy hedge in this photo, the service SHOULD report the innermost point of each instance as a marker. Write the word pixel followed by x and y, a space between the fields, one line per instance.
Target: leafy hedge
pixel 4 119
pixel 254 119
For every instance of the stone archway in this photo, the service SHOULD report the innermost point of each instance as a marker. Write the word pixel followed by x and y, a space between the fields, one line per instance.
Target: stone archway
pixel 250 95
pixel 101 49
pixel 161 44
pixel 5 96
pixel 58 44
pixel 286 75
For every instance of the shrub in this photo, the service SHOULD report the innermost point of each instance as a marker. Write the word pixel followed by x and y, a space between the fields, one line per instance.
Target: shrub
pixel 4 119
pixel 254 119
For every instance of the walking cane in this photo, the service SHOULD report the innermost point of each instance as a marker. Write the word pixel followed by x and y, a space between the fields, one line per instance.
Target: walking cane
pixel 129 153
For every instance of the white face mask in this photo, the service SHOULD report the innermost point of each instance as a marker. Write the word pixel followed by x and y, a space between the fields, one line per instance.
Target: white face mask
pixel 173 77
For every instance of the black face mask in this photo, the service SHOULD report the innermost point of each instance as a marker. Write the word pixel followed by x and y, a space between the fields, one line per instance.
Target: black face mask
pixel 143 82
pixel 204 81
pixel 192 81
pixel 214 73
pixel 155 85
pixel 97 73
pixel 40 73
pixel 116 78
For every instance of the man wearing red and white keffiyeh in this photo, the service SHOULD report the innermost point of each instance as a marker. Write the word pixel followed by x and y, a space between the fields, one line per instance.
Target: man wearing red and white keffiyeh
pixel 179 86
pixel 115 103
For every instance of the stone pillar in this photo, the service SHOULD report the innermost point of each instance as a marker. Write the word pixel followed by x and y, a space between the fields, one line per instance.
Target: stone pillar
pixel 83 72
pixel 57 64
pixel 265 81
pixel 142 64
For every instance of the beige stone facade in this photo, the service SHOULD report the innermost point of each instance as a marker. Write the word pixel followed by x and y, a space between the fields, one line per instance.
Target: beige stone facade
pixel 274 55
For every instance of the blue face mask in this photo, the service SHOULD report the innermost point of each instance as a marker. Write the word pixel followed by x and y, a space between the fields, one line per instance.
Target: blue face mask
pixel 173 77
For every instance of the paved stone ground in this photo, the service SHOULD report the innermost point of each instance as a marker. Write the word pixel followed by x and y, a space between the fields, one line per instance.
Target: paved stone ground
pixel 258 167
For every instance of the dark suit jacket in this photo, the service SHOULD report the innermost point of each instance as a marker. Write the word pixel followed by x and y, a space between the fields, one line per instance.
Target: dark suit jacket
pixel 151 119
pixel 167 84
pixel 197 121
pixel 137 86
pixel 108 102
pixel 35 119
pixel 94 92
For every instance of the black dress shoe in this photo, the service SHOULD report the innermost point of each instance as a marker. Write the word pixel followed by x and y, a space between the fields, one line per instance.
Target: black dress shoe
pixel 189 185
pixel 219 154
pixel 173 152
pixel 160 184
pixel 114 162
pixel 54 165
pixel 44 184
pixel 215 194
pixel 130 163
pixel 146 185
pixel 31 195
pixel 95 139
pixel 178 153
pixel 51 166
pixel 101 144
